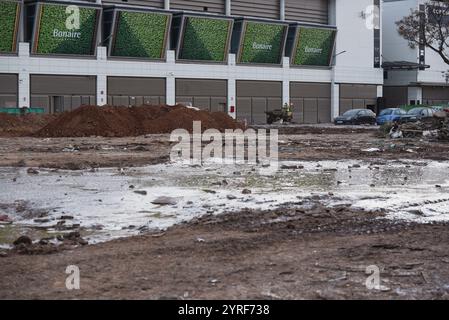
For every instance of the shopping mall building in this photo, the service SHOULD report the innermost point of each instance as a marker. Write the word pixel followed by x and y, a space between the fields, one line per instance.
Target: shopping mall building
pixel 243 57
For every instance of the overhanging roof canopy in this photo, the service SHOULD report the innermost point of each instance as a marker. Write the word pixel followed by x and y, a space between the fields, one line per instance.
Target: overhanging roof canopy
pixel 403 65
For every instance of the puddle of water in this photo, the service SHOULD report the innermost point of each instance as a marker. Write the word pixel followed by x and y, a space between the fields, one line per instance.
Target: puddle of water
pixel 104 198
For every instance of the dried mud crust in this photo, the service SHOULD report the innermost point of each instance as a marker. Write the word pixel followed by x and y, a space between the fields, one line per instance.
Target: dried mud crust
pixel 287 253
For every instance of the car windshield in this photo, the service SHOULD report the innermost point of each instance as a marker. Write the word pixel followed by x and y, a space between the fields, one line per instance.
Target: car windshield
pixel 351 113
pixel 386 112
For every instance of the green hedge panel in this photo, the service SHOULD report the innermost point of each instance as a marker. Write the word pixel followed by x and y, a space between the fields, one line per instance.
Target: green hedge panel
pixel 262 43
pixel 205 39
pixel 314 47
pixel 55 38
pixel 140 35
pixel 8 13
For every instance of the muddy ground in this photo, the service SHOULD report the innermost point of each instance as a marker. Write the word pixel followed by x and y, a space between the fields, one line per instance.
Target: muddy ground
pixel 296 143
pixel 285 253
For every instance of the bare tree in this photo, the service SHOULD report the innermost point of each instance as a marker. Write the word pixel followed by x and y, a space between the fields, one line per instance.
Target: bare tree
pixel 428 27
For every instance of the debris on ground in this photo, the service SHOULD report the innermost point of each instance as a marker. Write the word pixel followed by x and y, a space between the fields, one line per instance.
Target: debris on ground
pixel 436 128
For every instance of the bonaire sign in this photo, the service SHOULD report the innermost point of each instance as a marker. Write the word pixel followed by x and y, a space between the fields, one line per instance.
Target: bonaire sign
pixel 262 42
pixel 65 30
pixel 313 46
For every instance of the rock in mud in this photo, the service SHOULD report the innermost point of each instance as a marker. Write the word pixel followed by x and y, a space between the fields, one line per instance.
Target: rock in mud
pixel 23 240
pixel 32 171
pixel 293 167
pixel 231 197
pixel 246 191
pixel 164 201
pixel 66 218
pixel 72 235
pixel 141 192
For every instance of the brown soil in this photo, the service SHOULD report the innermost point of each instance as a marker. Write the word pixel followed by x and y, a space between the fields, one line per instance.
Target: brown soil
pixel 22 125
pixel 316 254
pixel 111 121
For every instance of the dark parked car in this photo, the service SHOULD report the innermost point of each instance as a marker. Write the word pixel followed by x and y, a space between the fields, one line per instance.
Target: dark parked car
pixel 356 116
pixel 394 115
pixel 421 112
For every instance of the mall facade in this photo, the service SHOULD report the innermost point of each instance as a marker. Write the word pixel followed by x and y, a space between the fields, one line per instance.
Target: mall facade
pixel 243 57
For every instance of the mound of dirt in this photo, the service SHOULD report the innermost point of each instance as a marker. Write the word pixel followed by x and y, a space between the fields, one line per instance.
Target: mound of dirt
pixel 22 125
pixel 111 121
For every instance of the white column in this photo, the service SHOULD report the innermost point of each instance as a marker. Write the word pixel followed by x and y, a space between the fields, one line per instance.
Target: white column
pixel 228 10
pixel 232 99
pixel 282 10
pixel 285 82
pixel 380 91
pixel 102 79
pixel 335 100
pixel 285 92
pixel 415 93
pixel 102 90
pixel 24 90
pixel 170 86
pixel 167 4
pixel 170 97
pixel 232 88
pixel 24 76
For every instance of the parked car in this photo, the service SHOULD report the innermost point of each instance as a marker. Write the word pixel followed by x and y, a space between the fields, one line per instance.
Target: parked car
pixel 421 112
pixel 441 108
pixel 390 115
pixel 356 116
pixel 394 115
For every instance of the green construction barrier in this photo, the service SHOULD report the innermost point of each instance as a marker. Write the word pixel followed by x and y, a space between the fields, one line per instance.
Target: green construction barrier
pixel 19 111
pixel 10 110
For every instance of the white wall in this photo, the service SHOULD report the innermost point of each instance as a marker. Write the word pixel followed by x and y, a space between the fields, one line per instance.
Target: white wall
pixel 396 48
pixel 357 39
